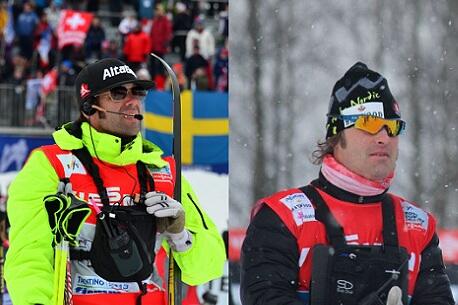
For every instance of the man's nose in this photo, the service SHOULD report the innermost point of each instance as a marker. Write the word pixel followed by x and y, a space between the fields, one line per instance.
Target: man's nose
pixel 382 136
pixel 133 100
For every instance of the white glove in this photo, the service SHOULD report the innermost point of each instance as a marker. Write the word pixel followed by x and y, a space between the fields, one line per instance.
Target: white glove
pixel 161 205
pixel 170 220
pixel 394 296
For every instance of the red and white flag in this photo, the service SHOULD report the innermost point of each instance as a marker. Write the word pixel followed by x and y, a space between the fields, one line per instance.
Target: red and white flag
pixel 49 82
pixel 73 27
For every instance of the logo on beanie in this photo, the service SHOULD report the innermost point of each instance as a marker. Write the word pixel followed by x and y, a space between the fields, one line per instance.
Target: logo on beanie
pixel 396 108
pixel 113 71
pixel 371 108
pixel 371 95
pixel 84 90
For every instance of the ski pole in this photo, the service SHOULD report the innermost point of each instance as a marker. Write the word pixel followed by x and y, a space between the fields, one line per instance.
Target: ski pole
pixel 174 272
pixel 2 282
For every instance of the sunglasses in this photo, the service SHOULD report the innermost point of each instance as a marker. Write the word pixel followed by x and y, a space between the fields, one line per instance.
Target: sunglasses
pixel 373 124
pixel 120 93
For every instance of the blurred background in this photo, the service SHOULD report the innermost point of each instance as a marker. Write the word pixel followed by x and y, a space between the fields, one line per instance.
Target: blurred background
pixel 285 58
pixel 44 44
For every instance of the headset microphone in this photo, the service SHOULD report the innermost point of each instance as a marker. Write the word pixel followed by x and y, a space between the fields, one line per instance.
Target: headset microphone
pixel 136 116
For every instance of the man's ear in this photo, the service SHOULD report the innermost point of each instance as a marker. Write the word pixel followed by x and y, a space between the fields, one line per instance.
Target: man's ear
pixel 86 107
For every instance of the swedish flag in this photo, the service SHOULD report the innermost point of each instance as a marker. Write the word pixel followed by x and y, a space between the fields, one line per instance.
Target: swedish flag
pixel 205 125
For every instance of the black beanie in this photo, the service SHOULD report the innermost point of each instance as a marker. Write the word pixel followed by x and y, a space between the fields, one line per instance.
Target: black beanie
pixel 360 92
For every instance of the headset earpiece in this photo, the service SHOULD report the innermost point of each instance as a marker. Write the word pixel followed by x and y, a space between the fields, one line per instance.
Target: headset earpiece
pixel 87 108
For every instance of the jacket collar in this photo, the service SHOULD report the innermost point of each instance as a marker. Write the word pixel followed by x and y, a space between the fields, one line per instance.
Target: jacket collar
pixel 340 194
pixel 107 147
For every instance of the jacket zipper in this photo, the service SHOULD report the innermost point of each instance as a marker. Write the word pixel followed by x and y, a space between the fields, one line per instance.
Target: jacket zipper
pixel 198 210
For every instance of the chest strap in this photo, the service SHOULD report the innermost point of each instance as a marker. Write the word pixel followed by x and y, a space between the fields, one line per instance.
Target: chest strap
pixel 143 176
pixel 334 230
pixel 145 179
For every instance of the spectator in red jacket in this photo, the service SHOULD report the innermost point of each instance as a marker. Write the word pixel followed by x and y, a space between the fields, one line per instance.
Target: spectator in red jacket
pixel 136 48
pixel 161 35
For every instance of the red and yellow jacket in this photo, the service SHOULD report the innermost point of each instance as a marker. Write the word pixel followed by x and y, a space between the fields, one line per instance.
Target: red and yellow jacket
pixel 29 266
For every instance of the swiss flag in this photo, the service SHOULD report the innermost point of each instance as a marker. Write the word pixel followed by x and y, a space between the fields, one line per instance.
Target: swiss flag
pixel 49 82
pixel 72 28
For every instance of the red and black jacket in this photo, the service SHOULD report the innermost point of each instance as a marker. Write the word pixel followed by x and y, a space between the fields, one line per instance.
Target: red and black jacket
pixel 276 257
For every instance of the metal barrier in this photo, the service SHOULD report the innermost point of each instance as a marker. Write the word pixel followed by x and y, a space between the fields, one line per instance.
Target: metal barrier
pixel 12 105
pixel 17 109
pixel 67 106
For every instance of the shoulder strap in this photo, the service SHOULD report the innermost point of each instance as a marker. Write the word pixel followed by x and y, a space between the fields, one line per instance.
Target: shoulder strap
pixel 334 230
pixel 143 177
pixel 390 233
pixel 83 155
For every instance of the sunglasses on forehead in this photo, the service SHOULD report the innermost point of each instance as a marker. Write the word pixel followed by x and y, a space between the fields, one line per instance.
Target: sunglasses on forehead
pixel 120 93
pixel 373 124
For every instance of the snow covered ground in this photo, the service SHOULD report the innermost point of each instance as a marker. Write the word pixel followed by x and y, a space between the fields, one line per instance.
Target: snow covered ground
pixel 212 190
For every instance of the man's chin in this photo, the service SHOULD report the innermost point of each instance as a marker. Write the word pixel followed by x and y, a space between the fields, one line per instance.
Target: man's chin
pixel 381 172
pixel 127 133
pixel 131 129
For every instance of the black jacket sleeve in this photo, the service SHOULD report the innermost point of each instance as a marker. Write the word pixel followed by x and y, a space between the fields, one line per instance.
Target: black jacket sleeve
pixel 433 285
pixel 269 259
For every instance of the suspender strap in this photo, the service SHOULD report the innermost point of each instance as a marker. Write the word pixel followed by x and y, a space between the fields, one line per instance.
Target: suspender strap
pixel 333 229
pixel 390 233
pixel 141 177
pixel 79 255
pixel 83 155
pixel 144 177
pixel 146 184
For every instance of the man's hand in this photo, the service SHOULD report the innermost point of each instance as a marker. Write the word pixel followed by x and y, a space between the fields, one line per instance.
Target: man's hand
pixel 66 214
pixel 170 219
pixel 394 296
pixel 169 212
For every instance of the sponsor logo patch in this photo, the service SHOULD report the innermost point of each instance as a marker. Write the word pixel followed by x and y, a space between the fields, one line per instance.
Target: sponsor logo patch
pixel 415 218
pixel 93 284
pixel 300 206
pixel 116 70
pixel 162 175
pixel 84 91
pixel 71 165
pixel 370 108
pixel 344 286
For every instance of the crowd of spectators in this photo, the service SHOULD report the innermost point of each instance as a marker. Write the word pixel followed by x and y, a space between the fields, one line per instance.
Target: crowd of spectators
pixel 190 35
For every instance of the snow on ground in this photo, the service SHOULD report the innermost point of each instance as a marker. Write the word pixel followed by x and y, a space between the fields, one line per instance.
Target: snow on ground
pixel 213 192
pixel 5 180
